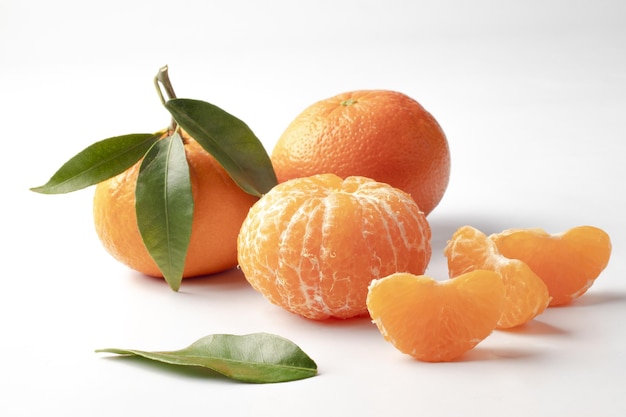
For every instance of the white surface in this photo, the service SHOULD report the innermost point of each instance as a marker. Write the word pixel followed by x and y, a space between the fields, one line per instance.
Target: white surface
pixel 531 95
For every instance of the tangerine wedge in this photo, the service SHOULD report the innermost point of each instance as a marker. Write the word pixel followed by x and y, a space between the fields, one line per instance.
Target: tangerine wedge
pixel 526 295
pixel 567 262
pixel 436 321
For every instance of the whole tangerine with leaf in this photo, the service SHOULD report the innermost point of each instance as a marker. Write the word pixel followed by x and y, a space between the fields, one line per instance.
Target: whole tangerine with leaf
pixel 170 203
pixel 380 134
pixel 312 245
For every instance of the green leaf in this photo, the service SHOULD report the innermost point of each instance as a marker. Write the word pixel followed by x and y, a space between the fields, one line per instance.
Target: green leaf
pixel 229 140
pixel 164 206
pixel 98 162
pixel 256 357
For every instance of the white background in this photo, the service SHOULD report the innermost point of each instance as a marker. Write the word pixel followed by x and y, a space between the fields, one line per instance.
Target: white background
pixel 531 95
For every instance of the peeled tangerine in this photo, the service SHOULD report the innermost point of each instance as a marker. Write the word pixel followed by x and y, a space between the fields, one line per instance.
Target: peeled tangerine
pixel 312 245
pixel 567 262
pixel 526 296
pixel 436 321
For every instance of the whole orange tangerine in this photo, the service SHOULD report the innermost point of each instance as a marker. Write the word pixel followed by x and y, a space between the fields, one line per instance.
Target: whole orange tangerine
pixel 219 209
pixel 312 245
pixel 381 134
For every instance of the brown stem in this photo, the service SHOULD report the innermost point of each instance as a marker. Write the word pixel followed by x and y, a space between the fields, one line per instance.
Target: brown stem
pixel 162 79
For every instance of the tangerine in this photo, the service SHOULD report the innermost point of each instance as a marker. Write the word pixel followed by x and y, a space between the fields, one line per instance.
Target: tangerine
pixel 526 295
pixel 567 262
pixel 380 134
pixel 312 245
pixel 436 321
pixel 219 209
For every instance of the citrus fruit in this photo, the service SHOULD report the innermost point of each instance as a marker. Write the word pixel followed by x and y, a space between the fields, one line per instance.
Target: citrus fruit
pixel 436 321
pixel 380 134
pixel 312 245
pixel 567 262
pixel 219 209
pixel 526 296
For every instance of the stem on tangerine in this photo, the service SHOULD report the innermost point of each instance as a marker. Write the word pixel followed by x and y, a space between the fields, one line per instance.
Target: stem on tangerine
pixel 162 79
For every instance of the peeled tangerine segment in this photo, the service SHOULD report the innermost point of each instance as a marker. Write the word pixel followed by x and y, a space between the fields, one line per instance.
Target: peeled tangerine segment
pixel 436 321
pixel 526 295
pixel 567 262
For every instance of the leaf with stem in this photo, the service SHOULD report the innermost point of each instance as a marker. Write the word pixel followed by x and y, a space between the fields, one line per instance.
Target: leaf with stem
pixel 229 140
pixel 164 201
pixel 164 206
pixel 98 162
pixel 256 357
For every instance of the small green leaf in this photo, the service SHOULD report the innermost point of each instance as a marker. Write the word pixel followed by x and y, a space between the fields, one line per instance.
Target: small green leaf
pixel 256 357
pixel 164 206
pixel 229 140
pixel 98 162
